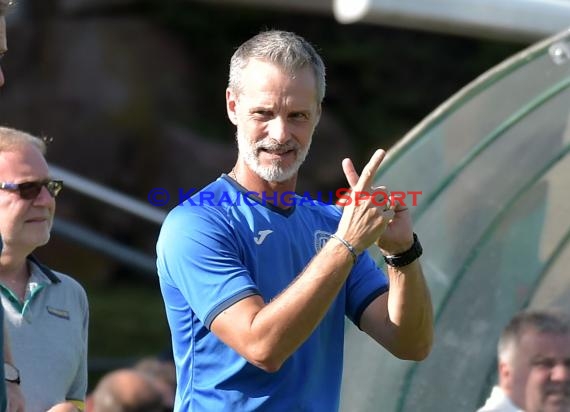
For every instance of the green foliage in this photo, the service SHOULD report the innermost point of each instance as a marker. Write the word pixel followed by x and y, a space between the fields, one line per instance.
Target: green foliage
pixel 127 320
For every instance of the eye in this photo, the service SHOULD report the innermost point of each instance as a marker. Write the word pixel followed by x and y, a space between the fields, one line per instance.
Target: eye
pixel 260 113
pixel 299 116
pixel 544 363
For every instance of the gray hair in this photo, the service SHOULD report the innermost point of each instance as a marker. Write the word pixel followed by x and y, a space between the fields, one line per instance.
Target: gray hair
pixel 11 139
pixel 538 321
pixel 284 49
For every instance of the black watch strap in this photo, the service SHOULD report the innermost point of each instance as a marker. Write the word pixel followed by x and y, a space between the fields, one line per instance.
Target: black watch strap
pixel 407 257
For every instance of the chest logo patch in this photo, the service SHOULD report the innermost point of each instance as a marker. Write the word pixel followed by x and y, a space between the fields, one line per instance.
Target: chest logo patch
pixel 60 313
pixel 321 238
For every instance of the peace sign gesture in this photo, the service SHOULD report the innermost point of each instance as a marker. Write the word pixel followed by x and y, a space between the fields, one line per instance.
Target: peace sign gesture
pixel 364 221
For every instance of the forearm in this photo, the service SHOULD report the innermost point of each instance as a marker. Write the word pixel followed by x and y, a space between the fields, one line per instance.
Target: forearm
pixel 410 312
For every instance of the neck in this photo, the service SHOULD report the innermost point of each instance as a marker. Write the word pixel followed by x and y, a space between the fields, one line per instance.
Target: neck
pixel 14 272
pixel 15 275
pixel 272 190
pixel 13 265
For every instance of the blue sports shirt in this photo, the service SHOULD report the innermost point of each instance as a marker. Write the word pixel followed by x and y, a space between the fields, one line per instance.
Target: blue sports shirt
pixel 224 244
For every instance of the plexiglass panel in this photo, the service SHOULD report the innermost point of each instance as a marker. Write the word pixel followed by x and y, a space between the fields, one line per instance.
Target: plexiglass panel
pixel 493 167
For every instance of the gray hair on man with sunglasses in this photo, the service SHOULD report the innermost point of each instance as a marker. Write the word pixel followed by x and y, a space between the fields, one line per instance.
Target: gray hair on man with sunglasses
pixel 11 138
pixel 46 311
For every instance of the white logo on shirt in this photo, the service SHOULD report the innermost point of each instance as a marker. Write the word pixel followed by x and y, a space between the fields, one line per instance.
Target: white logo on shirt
pixel 262 234
pixel 321 238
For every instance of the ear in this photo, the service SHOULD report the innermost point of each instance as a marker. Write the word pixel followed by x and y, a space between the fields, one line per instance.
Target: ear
pixel 231 103
pixel 504 371
pixel 319 111
pixel 317 118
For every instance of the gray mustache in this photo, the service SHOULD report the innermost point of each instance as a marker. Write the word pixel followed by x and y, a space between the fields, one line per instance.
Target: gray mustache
pixel 276 147
pixel 558 390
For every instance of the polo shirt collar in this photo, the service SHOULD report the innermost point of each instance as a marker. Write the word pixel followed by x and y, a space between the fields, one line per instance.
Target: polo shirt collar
pixel 52 277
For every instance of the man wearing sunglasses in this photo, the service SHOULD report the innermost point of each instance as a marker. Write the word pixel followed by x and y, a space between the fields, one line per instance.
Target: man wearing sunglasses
pixel 11 398
pixel 46 311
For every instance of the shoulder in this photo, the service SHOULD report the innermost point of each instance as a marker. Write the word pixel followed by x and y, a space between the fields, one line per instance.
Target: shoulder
pixel 210 203
pixel 58 279
pixel 190 221
pixel 199 221
pixel 68 292
pixel 498 401
pixel 67 280
pixel 70 284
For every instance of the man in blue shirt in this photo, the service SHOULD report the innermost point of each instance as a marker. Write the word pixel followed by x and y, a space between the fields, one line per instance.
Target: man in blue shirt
pixel 257 281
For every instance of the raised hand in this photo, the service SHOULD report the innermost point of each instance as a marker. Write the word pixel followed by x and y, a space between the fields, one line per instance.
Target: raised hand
pixel 365 220
pixel 362 220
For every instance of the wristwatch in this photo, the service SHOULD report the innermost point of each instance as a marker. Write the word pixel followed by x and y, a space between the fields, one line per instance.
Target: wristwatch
pixel 11 373
pixel 407 257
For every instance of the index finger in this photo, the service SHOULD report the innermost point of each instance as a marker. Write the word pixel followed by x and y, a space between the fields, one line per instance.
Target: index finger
pixel 369 171
pixel 350 172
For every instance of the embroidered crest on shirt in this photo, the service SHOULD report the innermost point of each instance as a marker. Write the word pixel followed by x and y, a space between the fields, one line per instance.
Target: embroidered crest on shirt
pixel 321 238
pixel 60 313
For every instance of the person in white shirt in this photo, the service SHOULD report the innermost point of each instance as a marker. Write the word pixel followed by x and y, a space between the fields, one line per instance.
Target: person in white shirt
pixel 533 365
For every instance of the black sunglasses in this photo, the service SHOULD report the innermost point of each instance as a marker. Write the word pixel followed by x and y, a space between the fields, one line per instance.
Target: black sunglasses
pixel 31 190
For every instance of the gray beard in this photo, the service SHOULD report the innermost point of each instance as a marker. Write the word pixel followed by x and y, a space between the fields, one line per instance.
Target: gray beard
pixel 275 172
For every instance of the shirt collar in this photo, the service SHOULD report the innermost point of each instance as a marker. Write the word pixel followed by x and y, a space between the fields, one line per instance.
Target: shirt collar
pixel 42 269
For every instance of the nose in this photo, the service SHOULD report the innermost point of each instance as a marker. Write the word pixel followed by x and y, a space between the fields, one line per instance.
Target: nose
pixel 44 198
pixel 278 129
pixel 561 372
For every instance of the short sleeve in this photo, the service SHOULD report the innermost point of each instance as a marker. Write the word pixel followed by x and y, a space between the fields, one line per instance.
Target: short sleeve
pixel 198 254
pixel 364 284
